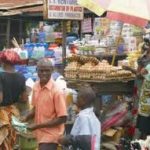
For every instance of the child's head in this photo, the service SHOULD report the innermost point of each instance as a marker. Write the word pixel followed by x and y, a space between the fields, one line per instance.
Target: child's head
pixel 86 97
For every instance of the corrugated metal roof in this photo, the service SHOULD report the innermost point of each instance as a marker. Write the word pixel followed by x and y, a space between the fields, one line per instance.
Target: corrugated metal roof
pixel 14 7
pixel 12 4
pixel 32 9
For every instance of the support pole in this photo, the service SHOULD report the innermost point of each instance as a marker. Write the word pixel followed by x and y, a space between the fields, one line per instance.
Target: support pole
pixel 64 43
pixel 20 31
pixel 8 33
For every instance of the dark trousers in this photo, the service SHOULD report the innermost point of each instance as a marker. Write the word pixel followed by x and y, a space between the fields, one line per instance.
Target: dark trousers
pixel 47 146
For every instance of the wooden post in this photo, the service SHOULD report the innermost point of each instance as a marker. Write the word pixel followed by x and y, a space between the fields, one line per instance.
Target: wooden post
pixel 8 33
pixel 45 9
pixel 20 31
pixel 64 43
pixel 80 29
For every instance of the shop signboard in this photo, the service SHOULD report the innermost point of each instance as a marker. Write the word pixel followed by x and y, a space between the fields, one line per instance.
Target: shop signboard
pixel 63 10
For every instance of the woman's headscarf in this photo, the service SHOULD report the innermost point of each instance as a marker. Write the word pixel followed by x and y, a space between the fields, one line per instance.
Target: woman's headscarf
pixel 10 57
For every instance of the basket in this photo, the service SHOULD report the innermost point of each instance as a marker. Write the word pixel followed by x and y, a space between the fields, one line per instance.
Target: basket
pixel 59 147
pixel 27 143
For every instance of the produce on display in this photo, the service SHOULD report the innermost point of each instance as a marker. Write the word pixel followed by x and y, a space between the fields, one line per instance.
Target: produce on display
pixel 72 70
pixel 83 67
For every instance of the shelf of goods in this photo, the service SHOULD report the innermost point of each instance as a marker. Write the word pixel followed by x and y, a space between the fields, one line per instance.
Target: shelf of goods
pixel 109 57
pixel 106 87
pixel 104 53
pixel 91 69
pixel 104 78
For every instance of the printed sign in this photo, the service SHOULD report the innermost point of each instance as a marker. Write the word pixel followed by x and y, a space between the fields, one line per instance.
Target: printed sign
pixel 64 9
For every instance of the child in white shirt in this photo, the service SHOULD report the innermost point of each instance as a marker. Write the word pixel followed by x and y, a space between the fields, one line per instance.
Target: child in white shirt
pixel 86 130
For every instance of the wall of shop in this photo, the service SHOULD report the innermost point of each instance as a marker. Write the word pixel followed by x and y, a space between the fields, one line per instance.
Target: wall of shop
pixel 10 27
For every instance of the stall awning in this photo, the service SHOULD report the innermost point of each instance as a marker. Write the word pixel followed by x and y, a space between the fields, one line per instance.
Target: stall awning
pixel 11 7
pixel 128 11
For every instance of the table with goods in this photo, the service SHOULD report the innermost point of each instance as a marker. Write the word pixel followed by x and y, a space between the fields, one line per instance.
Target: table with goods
pixel 90 69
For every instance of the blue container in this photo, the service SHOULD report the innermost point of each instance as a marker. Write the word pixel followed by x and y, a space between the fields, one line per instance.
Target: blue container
pixel 49 53
pixel 121 49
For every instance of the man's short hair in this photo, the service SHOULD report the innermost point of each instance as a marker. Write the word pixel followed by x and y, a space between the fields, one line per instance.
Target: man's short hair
pixel 45 62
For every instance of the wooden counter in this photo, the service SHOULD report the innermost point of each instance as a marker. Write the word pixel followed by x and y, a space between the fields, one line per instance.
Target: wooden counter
pixel 117 87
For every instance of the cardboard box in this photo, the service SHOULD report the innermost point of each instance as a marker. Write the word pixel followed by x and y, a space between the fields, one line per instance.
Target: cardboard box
pixel 114 134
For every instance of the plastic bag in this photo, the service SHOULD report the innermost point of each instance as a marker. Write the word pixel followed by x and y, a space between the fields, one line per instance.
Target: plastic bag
pixel 19 126
pixel 112 121
pixel 117 108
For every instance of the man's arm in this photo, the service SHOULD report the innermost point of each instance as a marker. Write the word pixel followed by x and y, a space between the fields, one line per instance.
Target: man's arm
pixel 48 124
pixel 54 122
pixel 61 113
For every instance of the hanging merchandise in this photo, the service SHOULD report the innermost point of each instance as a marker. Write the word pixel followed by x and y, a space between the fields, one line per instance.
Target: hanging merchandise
pixel 68 26
pixel 87 25
pixel 115 28
pixel 96 26
pixel 105 25
pixel 131 35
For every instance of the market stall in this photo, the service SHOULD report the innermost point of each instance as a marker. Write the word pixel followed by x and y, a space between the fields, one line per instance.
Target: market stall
pixel 105 80
pixel 107 87
pixel 113 88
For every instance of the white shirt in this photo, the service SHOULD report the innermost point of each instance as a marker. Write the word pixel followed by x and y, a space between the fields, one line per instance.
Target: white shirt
pixel 61 83
pixel 87 123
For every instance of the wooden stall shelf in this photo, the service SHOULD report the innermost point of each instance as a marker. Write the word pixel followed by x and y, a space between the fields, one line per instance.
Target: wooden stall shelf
pixel 113 87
